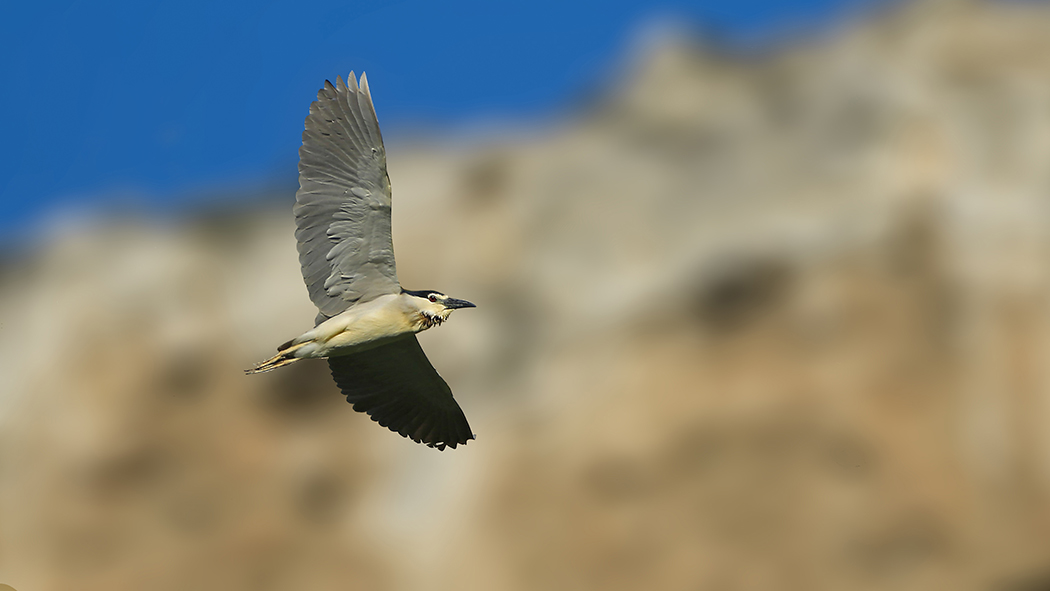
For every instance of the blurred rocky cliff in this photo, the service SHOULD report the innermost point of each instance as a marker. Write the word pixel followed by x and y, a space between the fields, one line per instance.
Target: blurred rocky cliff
pixel 779 321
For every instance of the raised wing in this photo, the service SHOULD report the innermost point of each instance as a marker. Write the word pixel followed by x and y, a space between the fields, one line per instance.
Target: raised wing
pixel 399 388
pixel 342 210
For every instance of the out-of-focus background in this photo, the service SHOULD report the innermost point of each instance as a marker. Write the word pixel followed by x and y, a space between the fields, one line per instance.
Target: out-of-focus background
pixel 764 303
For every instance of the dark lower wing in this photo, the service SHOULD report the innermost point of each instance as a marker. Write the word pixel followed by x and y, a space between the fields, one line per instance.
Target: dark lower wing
pixel 399 388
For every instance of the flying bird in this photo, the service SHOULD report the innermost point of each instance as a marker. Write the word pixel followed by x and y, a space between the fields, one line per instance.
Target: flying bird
pixel 367 323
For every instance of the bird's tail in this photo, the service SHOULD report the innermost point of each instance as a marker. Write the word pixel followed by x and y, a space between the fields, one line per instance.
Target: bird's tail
pixel 285 356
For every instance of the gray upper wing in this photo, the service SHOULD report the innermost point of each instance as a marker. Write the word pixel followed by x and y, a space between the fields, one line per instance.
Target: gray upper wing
pixel 342 210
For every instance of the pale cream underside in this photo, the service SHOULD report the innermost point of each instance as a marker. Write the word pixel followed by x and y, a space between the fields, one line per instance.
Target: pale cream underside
pixel 365 326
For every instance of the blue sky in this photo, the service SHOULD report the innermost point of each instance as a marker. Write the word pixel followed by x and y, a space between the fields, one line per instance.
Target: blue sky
pixel 158 102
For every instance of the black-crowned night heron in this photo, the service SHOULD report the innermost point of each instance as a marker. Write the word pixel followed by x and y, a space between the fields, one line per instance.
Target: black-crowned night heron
pixel 367 323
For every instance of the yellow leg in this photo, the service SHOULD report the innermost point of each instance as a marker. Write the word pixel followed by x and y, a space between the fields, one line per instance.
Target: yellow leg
pixel 279 360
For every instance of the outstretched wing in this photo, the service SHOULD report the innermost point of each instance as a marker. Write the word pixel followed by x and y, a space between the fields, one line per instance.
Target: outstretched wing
pixel 342 210
pixel 399 388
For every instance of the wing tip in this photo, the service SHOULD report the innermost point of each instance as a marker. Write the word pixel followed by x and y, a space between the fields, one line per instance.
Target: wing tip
pixel 330 92
pixel 441 445
pixel 422 432
pixel 439 434
pixel 451 442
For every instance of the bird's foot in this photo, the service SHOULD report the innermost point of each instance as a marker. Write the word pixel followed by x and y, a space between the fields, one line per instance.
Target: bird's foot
pixel 281 359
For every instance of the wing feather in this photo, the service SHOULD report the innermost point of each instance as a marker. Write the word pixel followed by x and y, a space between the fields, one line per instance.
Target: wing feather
pixel 399 388
pixel 342 211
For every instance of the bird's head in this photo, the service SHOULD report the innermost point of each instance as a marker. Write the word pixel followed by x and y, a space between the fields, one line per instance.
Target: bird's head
pixel 434 307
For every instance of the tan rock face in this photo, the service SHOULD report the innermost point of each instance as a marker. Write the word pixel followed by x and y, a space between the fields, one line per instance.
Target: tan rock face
pixel 768 323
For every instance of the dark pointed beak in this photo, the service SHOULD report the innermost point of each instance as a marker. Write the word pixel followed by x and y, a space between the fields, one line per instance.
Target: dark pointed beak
pixel 453 303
